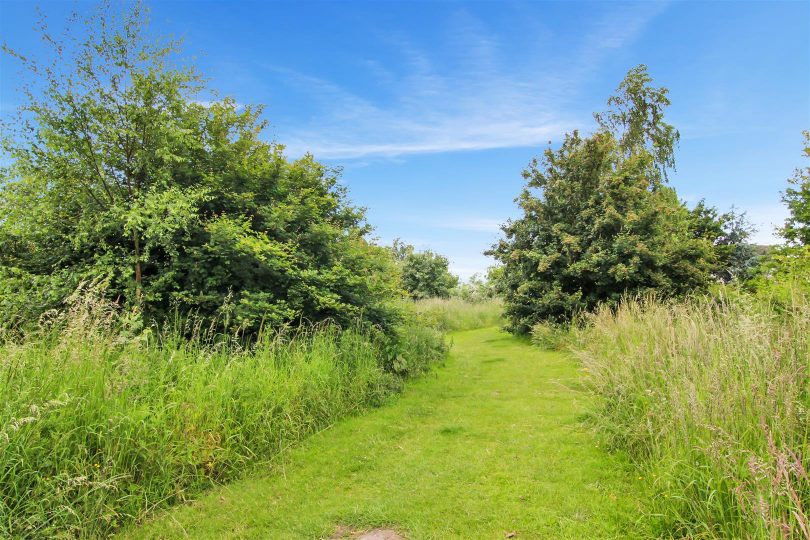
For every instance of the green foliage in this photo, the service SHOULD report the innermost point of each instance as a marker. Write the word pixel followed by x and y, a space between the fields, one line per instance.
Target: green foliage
pixel 121 174
pixel 734 258
pixel 476 289
pixel 636 118
pixel 786 269
pixel 424 274
pixel 797 199
pixel 551 336
pixel 710 399
pixel 598 223
pixel 417 347
pixel 782 272
pixel 98 430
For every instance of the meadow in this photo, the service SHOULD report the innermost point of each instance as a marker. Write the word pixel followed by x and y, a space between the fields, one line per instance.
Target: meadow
pixel 100 428
pixel 202 335
pixel 709 397
pixel 456 314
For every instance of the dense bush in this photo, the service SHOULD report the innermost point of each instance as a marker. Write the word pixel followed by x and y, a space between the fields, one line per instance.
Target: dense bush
pixel 710 397
pixel 734 258
pixel 98 429
pixel 782 272
pixel 119 172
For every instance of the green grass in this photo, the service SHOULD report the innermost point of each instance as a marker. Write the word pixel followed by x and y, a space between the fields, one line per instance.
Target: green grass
pixel 457 314
pixel 710 397
pixel 491 443
pixel 98 429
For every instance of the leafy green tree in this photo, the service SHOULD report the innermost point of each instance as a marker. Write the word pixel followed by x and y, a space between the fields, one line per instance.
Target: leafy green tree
pixel 120 173
pixel 424 274
pixel 598 220
pixel 786 269
pixel 400 250
pixel 734 258
pixel 636 119
pixel 797 199
pixel 477 289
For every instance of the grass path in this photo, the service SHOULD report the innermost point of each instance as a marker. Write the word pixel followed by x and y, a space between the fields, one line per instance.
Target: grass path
pixel 488 445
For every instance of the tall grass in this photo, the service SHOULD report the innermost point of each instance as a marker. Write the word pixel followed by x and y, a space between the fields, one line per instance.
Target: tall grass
pixel 710 397
pixel 97 430
pixel 457 314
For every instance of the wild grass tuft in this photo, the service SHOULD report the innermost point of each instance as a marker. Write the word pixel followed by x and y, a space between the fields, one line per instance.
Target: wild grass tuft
pixel 457 314
pixel 710 397
pixel 99 429
pixel 555 337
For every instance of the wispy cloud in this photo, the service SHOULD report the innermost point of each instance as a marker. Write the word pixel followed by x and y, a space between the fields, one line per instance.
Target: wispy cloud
pixel 472 96
pixel 465 267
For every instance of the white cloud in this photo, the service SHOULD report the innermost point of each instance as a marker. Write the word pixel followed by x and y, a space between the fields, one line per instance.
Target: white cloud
pixel 474 96
pixel 465 267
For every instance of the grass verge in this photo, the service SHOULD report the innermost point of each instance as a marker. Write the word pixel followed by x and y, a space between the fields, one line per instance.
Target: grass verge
pixel 710 398
pixel 98 430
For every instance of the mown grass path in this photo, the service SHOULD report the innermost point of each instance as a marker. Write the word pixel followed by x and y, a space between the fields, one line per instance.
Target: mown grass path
pixel 489 445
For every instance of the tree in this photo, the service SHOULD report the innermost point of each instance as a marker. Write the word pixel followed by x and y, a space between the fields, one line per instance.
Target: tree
pixel 598 220
pixel 477 289
pixel 734 258
pixel 785 270
pixel 425 274
pixel 637 120
pixel 797 198
pixel 120 173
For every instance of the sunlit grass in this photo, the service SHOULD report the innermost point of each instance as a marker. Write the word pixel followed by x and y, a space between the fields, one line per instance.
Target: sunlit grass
pixel 710 398
pixel 457 314
pixel 491 446
pixel 98 428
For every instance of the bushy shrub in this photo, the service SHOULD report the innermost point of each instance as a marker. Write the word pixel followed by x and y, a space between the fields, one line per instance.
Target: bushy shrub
pixel 783 271
pixel 426 274
pixel 710 397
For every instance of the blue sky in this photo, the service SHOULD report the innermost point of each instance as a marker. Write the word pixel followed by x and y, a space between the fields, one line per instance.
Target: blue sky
pixel 434 108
